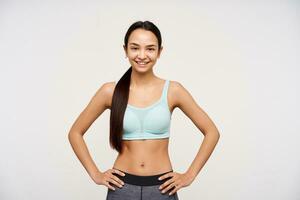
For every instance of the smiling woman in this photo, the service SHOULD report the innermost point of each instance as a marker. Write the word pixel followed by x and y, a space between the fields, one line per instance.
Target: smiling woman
pixel 141 105
pixel 143 48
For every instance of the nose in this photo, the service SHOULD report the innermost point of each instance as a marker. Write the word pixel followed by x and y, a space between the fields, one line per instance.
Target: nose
pixel 141 54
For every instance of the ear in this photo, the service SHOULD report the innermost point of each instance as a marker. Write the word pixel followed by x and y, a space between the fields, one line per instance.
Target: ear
pixel 159 52
pixel 125 50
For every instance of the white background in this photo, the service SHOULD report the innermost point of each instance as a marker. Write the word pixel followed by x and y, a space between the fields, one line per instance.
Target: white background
pixel 239 60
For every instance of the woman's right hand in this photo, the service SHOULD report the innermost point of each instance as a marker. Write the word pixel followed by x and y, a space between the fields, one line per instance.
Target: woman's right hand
pixel 107 177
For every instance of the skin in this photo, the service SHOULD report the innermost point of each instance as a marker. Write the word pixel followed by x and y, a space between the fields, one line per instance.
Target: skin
pixel 140 156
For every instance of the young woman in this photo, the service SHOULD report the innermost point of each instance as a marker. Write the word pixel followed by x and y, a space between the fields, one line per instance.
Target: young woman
pixel 141 106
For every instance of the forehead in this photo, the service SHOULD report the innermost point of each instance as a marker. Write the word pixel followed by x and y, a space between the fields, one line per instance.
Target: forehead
pixel 142 37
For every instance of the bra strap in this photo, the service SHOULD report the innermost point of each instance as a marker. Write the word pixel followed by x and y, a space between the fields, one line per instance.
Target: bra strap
pixel 165 90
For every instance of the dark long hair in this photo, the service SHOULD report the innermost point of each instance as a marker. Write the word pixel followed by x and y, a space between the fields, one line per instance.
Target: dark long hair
pixel 121 92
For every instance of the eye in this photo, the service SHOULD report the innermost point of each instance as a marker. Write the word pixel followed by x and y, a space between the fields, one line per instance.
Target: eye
pixel 151 49
pixel 134 48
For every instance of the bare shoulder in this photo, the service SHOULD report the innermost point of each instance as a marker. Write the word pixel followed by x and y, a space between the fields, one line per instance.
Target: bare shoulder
pixel 176 92
pixel 101 99
pixel 96 106
pixel 108 90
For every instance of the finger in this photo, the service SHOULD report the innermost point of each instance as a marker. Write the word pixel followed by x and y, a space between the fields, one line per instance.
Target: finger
pixel 165 176
pixel 174 190
pixel 171 186
pixel 117 180
pixel 109 186
pixel 118 172
pixel 166 183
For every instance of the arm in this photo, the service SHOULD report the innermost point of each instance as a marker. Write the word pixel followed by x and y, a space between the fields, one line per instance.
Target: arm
pixel 98 103
pixel 202 121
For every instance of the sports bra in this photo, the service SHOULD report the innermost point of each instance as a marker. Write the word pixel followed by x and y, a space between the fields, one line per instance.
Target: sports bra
pixel 151 122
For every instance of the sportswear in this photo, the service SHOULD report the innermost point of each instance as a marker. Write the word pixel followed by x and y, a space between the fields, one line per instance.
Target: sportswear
pixel 151 122
pixel 137 187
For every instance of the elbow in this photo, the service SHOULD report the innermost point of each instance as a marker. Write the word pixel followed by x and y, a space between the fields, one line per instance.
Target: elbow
pixel 70 135
pixel 216 134
pixel 73 134
pixel 213 133
pixel 218 137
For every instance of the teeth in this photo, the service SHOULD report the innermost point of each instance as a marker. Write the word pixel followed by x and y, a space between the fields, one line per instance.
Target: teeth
pixel 141 63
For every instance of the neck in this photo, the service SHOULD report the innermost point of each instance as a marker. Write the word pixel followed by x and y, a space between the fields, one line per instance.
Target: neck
pixel 141 80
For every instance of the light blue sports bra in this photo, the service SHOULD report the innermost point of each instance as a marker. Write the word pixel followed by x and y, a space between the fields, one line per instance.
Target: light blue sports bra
pixel 151 122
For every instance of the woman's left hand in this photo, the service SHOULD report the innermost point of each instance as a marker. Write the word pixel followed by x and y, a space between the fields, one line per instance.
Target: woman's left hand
pixel 177 181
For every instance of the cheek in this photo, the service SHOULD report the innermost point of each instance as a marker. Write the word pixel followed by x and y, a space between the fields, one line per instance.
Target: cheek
pixel 132 55
pixel 153 56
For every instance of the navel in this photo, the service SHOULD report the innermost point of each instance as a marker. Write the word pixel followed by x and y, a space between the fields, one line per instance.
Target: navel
pixel 142 164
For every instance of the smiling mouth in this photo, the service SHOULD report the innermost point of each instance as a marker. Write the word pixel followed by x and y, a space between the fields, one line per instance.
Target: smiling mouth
pixel 141 63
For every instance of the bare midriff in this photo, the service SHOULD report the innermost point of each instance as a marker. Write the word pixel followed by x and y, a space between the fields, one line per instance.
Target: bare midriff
pixel 144 157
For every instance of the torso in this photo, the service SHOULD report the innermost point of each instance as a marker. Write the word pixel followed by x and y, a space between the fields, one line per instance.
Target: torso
pixel 150 156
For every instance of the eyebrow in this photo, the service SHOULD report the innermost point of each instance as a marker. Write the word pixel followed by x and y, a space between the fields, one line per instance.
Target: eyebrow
pixel 150 45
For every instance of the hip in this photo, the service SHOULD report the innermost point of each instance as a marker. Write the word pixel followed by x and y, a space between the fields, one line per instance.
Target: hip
pixel 140 187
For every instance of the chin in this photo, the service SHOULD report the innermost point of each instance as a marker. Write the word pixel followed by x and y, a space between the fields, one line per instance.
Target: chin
pixel 141 69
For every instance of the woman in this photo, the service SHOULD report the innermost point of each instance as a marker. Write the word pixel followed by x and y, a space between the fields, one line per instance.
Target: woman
pixel 141 106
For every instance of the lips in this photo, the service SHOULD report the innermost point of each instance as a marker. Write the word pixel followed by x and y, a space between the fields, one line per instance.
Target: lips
pixel 142 63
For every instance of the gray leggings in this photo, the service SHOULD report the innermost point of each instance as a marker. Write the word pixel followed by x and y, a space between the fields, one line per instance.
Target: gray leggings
pixel 140 188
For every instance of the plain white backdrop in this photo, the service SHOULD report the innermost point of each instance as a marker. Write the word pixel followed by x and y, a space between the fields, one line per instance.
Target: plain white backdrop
pixel 238 59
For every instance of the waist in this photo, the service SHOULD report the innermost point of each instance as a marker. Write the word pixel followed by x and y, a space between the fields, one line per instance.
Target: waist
pixel 141 157
pixel 134 179
pixel 143 164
